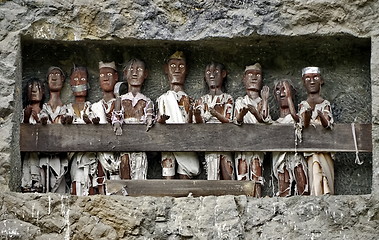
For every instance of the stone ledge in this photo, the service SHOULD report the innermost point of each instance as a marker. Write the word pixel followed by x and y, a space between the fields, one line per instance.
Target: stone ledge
pixel 41 216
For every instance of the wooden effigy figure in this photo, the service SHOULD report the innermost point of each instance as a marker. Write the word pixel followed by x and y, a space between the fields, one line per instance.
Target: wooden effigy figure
pixel 315 110
pixel 216 107
pixel 133 108
pixel 290 169
pixel 174 107
pixel 32 174
pixel 83 168
pixel 55 165
pixel 251 109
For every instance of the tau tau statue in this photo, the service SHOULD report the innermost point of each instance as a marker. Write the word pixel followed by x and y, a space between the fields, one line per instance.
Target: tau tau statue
pixel 251 109
pixel 133 108
pixel 216 107
pixel 108 165
pixel 32 173
pixel 55 165
pixel 54 111
pixel 290 169
pixel 83 164
pixel 174 107
pixel 317 111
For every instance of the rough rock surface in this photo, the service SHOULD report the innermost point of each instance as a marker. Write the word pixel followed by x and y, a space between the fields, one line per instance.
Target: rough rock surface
pixel 137 23
pixel 35 216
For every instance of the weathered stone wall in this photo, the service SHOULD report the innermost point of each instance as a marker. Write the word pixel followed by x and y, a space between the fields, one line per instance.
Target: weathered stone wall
pixel 217 26
pixel 49 216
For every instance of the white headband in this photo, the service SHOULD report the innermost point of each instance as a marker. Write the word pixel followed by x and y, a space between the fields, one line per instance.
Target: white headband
pixel 310 70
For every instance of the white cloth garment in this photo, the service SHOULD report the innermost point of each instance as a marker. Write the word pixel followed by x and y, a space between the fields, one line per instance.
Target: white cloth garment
pixel 289 160
pixel 188 162
pixel 320 165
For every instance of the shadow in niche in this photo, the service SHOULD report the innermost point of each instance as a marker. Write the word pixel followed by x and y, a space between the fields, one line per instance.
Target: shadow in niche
pixel 344 60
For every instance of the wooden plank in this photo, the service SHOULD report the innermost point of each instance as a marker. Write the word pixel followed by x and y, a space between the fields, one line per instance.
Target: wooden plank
pixel 179 188
pixel 192 137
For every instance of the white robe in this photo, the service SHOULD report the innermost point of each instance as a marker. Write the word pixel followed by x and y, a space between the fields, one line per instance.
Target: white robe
pixel 83 164
pixel 56 163
pixel 188 163
pixel 212 159
pixel 320 182
pixel 107 159
pixel 289 160
pixel 249 118
pixel 137 160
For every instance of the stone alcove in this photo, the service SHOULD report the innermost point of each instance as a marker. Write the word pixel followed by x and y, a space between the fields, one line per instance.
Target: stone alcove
pixel 345 62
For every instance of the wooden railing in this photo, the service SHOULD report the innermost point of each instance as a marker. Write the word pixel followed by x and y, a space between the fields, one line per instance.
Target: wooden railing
pixel 193 137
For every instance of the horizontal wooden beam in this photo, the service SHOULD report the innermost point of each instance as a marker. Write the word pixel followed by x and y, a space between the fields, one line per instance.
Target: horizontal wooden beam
pixel 193 137
pixel 179 188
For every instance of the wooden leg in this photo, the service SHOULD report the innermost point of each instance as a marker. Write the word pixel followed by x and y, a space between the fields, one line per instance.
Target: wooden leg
pixel 256 169
pixel 284 183
pixel 125 167
pixel 169 163
pixel 73 188
pixel 242 168
pixel 301 180
pixel 100 179
pixel 226 168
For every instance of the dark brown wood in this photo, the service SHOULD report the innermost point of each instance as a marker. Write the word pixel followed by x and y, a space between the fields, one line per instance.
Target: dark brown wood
pixel 179 188
pixel 192 137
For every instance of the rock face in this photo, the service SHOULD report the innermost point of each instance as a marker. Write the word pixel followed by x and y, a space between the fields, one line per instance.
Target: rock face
pixel 34 216
pixel 342 37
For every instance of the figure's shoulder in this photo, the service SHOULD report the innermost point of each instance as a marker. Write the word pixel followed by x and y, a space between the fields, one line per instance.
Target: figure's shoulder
pixel 143 97
pixel 98 102
pixel 69 105
pixel 228 96
pixel 325 102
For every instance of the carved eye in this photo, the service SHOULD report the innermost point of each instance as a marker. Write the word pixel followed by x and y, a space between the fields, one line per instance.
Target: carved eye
pixel 83 79
pixel 139 69
pixel 277 91
pixel 109 74
pixel 208 72
pixel 57 74
pixel 307 79
pixel 316 78
pixel 250 74
pixel 76 79
pixel 102 74
pixel 181 65
pixel 258 75
pixel 173 65
pixel 216 71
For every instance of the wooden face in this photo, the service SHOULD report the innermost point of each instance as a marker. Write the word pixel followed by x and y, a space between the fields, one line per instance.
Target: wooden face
pixel 312 82
pixel 214 76
pixel 108 78
pixel 281 94
pixel 176 70
pixel 136 73
pixel 252 80
pixel 77 78
pixel 35 92
pixel 55 80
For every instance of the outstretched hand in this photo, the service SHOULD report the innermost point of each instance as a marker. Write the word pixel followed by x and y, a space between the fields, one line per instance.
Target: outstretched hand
pixel 44 120
pixel 86 119
pixel 163 118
